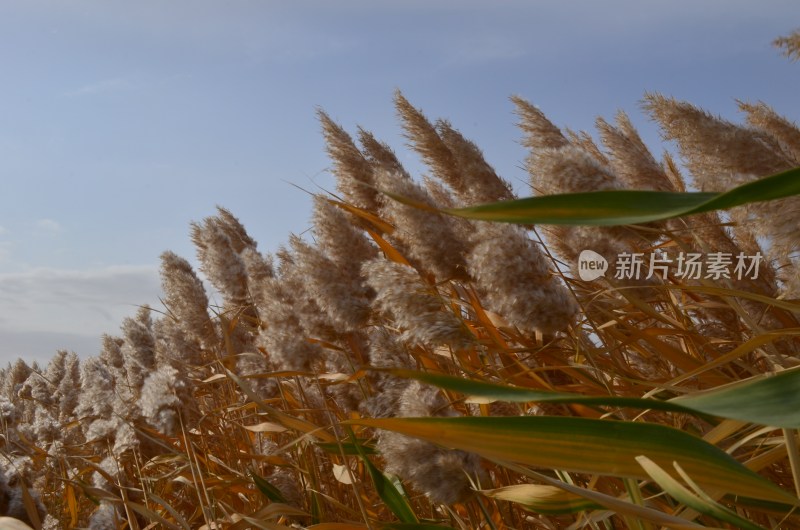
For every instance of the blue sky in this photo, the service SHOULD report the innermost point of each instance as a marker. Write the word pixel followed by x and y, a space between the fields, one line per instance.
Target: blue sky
pixel 121 122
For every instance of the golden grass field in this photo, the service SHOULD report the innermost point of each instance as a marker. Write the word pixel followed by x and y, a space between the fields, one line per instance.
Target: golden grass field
pixel 397 367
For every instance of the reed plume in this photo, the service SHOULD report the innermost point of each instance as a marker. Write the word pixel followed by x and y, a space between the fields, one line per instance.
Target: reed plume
pixel 443 474
pixel 719 154
pixel 186 299
pixel 790 45
pixel 354 174
pixel 418 310
pixel 516 280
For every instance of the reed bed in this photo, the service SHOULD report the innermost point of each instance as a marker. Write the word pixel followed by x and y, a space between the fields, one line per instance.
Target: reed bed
pixel 292 399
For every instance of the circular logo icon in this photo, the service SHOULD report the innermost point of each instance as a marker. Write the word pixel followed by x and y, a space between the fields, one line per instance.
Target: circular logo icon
pixel 591 265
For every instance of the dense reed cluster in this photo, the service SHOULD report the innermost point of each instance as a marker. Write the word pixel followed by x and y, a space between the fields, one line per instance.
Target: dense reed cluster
pixel 226 410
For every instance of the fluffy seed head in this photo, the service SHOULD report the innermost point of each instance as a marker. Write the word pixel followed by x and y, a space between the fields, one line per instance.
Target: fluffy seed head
pixel 353 172
pixel 414 307
pixel 234 229
pixel 164 397
pixel 425 140
pixel 220 262
pixel 138 349
pixel 630 159
pixel 569 169
pixel 69 387
pixel 16 374
pixel 428 237
pixel 343 243
pixel 784 132
pixel 790 45
pixel 719 154
pixel 284 336
pixel 380 155
pixel 337 291
pixel 440 473
pixel 480 182
pixel 514 277
pixel 540 133
pixel 95 402
pixel 104 518
pixel 585 141
pixel 185 297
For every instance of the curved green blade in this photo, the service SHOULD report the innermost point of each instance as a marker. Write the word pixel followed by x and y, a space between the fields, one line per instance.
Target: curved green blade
pixel 588 446
pixel 772 400
pixel 626 207
pixel 394 499
pixel 489 392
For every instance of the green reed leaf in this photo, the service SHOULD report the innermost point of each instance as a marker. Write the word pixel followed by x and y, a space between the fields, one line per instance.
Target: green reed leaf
pixel 625 207
pixel 588 446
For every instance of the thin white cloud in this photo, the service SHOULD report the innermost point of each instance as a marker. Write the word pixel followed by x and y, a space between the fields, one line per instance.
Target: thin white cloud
pixel 5 246
pixel 40 346
pixel 5 251
pixel 87 303
pixel 48 226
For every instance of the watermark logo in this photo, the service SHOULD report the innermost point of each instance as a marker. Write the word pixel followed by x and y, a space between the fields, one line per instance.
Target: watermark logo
pixel 684 265
pixel 591 265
